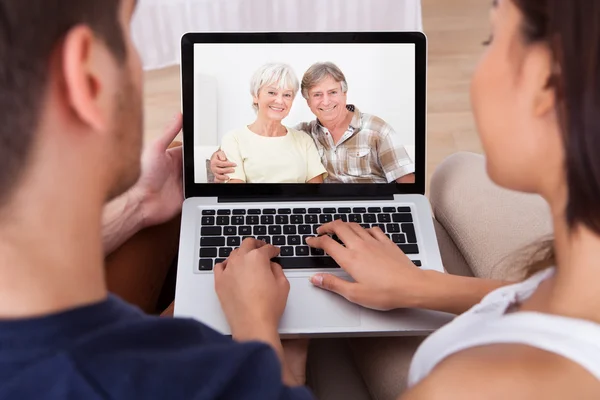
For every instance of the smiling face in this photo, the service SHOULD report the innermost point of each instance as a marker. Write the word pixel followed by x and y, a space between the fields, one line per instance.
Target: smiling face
pixel 327 100
pixel 274 103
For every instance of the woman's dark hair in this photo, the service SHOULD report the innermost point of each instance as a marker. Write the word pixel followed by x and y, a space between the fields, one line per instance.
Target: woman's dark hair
pixel 30 31
pixel 571 28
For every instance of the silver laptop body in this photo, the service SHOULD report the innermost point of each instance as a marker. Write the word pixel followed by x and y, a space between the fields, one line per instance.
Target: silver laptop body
pixel 214 214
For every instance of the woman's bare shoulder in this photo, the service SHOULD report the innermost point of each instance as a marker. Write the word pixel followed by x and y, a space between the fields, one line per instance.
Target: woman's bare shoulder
pixel 506 371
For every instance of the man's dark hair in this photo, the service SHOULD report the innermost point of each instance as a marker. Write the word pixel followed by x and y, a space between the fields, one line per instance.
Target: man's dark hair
pixel 30 30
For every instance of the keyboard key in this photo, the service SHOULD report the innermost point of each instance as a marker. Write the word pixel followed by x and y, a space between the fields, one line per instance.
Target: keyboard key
pixel 359 210
pixel 208 221
pixel 417 263
pixel 305 237
pixel 206 264
pixel 282 220
pixel 267 220
pixel 337 239
pixel 325 218
pixel 403 209
pixel 286 251
pixel 237 220
pixel 210 231
pixel 239 212
pixel 384 218
pixel 315 227
pixel 252 220
pixel 284 211
pixel 389 209
pixel 409 230
pixel 374 209
pixel 402 218
pixel 370 218
pixel 297 219
pixel 278 240
pixel 262 230
pixel 343 217
pixel 304 230
pixel 270 211
pixel 329 210
pixel 225 252
pixel 392 228
pixel 208 212
pixel 409 248
pixel 234 242
pixel 274 230
pixel 311 219
pixel 254 211
pixel 302 251
pixel 355 218
pixel 299 211
pixel 305 262
pixel 247 237
pixel 294 240
pixel 314 211
pixel 245 230
pixel 317 252
pixel 222 221
pixel 365 226
pixel 224 212
pixel 398 238
pixel 289 230
pixel 208 252
pixel 344 210
pixel 212 241
pixel 380 226
pixel 219 261
pixel 230 231
pixel 266 239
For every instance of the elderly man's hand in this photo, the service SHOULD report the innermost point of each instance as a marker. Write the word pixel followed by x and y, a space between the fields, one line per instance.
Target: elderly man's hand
pixel 160 187
pixel 220 167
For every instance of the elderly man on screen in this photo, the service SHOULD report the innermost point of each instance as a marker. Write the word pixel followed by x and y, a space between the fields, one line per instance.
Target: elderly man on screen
pixel 355 147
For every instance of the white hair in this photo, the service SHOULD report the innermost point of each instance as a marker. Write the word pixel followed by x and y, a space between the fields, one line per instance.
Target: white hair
pixel 280 75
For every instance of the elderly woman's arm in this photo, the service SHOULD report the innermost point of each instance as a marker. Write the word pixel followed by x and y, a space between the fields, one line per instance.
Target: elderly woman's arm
pixel 231 147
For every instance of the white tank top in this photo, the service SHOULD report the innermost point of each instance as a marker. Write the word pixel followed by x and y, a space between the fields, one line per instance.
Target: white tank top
pixel 487 323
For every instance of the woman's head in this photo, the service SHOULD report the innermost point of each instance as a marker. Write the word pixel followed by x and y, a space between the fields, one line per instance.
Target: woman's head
pixel 536 97
pixel 273 88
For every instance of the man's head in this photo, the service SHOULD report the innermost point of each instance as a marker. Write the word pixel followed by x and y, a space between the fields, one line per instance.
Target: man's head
pixel 324 87
pixel 68 73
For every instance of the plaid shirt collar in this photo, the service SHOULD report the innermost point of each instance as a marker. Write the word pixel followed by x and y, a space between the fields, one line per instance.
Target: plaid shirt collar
pixel 355 124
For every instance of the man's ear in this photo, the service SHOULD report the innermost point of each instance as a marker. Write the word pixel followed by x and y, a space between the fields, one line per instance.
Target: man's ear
pixel 83 69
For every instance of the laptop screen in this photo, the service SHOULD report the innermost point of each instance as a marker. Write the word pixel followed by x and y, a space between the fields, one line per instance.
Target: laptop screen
pixel 305 113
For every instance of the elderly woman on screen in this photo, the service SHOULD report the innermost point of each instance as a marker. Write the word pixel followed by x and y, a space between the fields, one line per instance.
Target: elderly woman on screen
pixel 267 151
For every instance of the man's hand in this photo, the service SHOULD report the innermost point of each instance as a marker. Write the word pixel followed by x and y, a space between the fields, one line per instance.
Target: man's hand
pixel 160 187
pixel 385 278
pixel 253 291
pixel 220 167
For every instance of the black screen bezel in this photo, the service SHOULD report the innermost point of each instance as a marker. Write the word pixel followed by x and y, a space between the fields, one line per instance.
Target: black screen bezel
pixel 302 191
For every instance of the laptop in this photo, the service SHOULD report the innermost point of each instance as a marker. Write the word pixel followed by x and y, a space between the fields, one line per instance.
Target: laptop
pixel 386 77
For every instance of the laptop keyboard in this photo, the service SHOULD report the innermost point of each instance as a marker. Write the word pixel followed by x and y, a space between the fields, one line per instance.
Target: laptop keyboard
pixel 224 230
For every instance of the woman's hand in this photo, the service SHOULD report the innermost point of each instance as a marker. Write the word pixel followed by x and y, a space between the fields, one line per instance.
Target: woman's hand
pixel 253 291
pixel 385 277
pixel 220 167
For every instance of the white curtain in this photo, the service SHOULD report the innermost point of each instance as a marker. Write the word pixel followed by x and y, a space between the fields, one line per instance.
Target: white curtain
pixel 159 24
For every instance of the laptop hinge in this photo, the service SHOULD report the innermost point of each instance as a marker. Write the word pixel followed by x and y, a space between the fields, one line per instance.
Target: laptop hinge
pixel 321 198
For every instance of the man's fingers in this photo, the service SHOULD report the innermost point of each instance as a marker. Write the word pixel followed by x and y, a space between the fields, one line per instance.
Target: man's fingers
pixel 268 250
pixel 224 170
pixel 334 284
pixel 221 155
pixel 249 244
pixel 278 271
pixel 171 132
pixel 378 234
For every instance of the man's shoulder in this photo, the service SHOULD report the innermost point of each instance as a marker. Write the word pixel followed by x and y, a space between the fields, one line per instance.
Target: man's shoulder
pixel 306 127
pixel 374 123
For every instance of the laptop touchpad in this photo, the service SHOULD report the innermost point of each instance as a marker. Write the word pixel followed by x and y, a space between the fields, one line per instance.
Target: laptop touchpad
pixel 311 307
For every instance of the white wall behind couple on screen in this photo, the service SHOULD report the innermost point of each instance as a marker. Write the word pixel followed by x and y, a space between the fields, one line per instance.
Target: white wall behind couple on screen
pixel 380 82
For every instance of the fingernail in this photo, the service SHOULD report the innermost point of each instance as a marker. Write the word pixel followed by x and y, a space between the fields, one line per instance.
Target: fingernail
pixel 317 280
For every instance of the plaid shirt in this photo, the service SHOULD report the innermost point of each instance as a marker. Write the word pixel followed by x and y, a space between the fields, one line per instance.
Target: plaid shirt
pixel 369 151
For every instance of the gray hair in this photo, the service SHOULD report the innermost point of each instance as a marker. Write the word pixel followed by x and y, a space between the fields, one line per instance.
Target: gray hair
pixel 319 71
pixel 279 74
